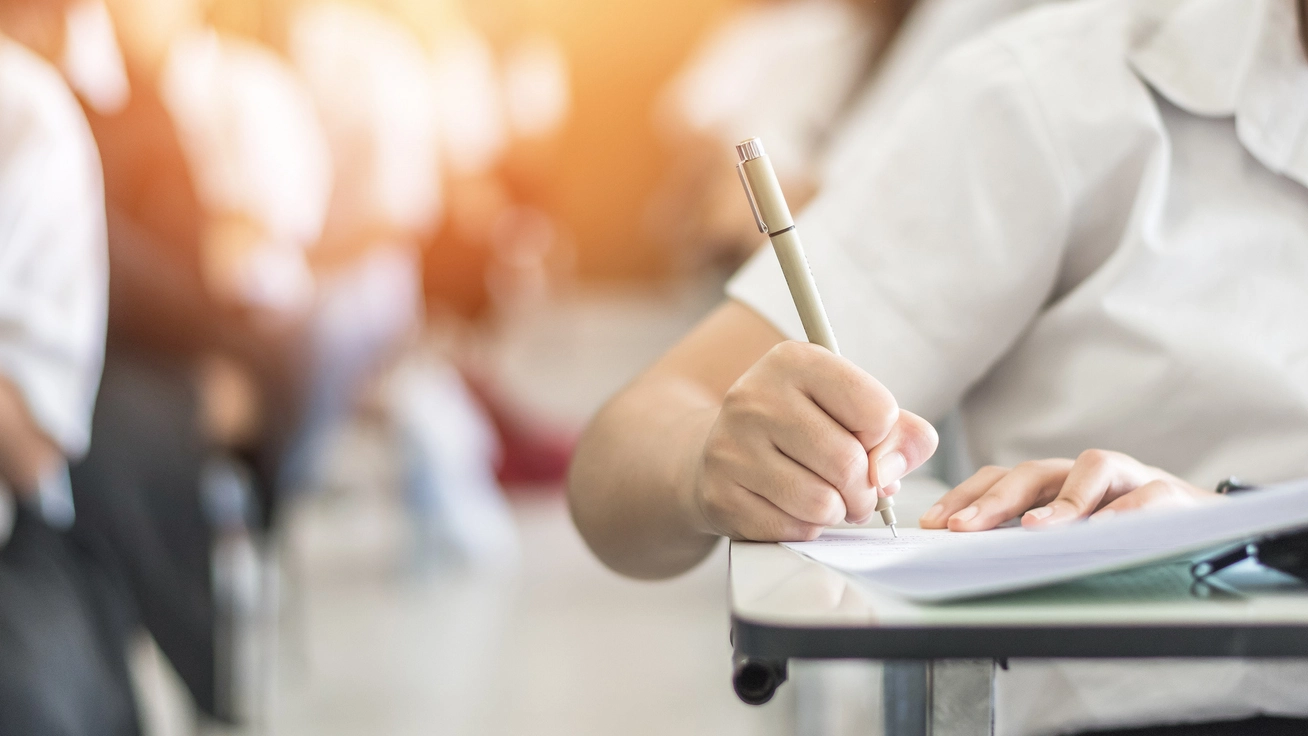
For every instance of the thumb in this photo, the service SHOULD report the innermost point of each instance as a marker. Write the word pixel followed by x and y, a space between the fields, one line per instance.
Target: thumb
pixel 911 442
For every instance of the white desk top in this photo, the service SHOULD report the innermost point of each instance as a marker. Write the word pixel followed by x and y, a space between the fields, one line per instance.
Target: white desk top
pixel 774 585
pixel 784 604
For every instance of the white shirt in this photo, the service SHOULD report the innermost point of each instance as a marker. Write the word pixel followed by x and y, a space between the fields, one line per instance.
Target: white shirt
pixel 782 71
pixel 931 30
pixel 256 149
pixel 53 264
pixel 92 61
pixel 1090 226
pixel 372 83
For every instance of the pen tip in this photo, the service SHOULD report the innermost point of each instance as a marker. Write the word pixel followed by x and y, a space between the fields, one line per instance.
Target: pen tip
pixel 894 531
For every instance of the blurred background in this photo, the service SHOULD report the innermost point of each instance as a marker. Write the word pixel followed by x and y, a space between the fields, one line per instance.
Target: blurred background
pixel 372 265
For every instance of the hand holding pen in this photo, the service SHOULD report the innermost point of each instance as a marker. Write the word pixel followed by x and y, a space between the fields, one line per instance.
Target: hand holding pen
pixel 840 443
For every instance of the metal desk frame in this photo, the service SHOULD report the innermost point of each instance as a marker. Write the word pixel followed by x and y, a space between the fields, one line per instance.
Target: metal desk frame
pixel 939 673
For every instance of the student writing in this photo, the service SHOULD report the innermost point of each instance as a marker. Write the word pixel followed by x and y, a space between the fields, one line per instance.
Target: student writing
pixel 1089 229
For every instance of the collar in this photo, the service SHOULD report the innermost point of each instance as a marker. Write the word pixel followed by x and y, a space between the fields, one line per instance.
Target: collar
pixel 1241 59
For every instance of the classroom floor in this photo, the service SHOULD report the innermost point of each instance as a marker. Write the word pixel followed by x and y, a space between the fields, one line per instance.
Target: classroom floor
pixel 371 643
pixel 558 646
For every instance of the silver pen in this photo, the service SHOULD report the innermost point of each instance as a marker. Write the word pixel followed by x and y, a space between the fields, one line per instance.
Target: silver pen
pixel 774 220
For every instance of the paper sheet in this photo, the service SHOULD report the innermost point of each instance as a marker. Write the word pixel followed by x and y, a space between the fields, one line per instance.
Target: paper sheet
pixel 941 566
pixel 857 550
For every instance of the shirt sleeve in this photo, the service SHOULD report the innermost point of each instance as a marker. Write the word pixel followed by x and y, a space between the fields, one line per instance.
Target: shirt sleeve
pixel 53 272
pixel 939 243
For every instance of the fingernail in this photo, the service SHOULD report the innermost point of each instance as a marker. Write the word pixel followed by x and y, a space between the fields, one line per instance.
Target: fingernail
pixel 966 514
pixel 933 513
pixel 890 490
pixel 1105 514
pixel 891 467
pixel 1043 512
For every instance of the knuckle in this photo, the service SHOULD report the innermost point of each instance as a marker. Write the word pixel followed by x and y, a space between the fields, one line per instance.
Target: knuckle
pixel 793 352
pixel 994 470
pixel 1160 488
pixel 1029 467
pixel 744 404
pixel 859 505
pixel 713 504
pixel 719 452
pixel 1094 458
pixel 850 467
pixel 823 504
pixel 885 411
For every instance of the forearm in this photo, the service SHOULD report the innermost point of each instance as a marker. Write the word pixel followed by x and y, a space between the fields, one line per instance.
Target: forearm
pixel 26 453
pixel 630 488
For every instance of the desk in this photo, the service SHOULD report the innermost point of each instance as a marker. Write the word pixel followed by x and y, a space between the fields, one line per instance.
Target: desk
pixel 785 606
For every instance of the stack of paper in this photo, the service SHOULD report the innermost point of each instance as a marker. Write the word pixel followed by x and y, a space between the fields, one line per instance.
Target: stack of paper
pixel 939 566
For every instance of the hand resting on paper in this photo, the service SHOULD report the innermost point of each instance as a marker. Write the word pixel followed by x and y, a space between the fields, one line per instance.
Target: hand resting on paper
pixel 1098 484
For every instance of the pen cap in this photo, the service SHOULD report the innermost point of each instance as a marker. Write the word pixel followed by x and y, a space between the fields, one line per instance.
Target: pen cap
pixel 763 187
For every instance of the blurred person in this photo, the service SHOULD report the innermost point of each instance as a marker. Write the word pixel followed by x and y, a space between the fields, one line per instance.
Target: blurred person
pixel 62 643
pixel 193 356
pixel 370 85
pixel 501 102
pixel 259 174
pixel 373 85
pixel 473 136
pixel 784 70
pixel 262 173
pixel 1046 228
pixel 493 254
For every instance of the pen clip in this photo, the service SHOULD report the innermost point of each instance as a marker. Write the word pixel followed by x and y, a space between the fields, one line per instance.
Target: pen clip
pixel 749 194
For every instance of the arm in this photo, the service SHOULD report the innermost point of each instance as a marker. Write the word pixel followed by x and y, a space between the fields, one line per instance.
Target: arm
pixel 52 316
pixel 736 433
pixel 26 453
pixel 936 244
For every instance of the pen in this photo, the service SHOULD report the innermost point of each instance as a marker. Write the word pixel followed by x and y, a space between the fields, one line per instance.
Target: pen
pixel 773 219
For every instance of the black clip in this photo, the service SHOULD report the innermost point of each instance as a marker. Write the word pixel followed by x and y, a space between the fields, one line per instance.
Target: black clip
pixel 1211 565
pixel 1287 553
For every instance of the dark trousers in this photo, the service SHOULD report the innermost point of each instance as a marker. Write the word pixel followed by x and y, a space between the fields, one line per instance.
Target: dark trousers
pixel 140 512
pixel 63 664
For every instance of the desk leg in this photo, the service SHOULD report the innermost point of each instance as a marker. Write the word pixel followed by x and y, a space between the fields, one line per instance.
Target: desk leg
pixel 940 698
pixel 961 693
pixel 904 691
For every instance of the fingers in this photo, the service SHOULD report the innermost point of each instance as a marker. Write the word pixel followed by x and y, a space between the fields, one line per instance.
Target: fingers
pixel 741 514
pixel 1163 493
pixel 961 496
pixel 797 432
pixel 815 441
pixel 1026 485
pixel 796 490
pixel 911 442
pixel 1059 490
pixel 1097 475
pixel 856 400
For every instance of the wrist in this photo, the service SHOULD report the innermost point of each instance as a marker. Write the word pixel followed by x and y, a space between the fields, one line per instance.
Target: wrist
pixel 690 474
